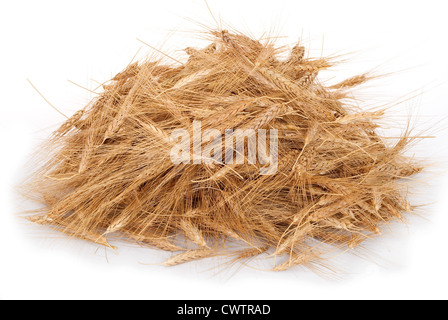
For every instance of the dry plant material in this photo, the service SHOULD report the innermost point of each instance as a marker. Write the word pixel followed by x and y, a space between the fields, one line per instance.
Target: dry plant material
pixel 110 174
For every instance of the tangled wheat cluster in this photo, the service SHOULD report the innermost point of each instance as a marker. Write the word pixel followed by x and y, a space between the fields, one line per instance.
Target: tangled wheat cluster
pixel 110 175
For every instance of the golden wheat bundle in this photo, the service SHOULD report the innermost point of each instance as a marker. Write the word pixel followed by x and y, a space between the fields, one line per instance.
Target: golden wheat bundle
pixel 236 152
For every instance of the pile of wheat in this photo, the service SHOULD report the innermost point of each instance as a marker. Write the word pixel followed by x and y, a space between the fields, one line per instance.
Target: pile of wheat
pixel 110 174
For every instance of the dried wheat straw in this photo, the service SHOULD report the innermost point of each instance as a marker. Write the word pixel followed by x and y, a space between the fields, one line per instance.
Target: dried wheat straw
pixel 108 172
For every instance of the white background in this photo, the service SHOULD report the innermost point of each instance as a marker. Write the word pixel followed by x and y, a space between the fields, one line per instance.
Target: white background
pixel 50 42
